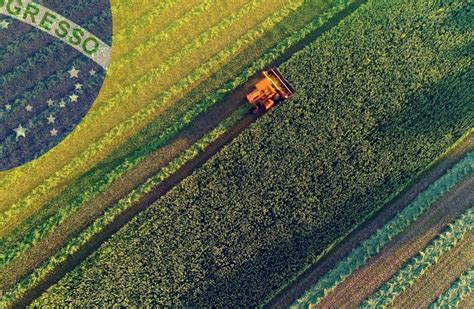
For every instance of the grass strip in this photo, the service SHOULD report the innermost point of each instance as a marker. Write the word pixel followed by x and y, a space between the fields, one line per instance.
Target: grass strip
pixel 460 289
pixel 372 246
pixel 417 266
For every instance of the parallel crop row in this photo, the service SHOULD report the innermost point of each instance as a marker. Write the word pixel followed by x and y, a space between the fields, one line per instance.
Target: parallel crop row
pixel 143 22
pixel 372 246
pixel 29 36
pixel 163 35
pixel 418 265
pixel 462 287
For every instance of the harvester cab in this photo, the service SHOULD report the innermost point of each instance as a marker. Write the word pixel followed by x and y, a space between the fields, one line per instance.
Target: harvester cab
pixel 271 89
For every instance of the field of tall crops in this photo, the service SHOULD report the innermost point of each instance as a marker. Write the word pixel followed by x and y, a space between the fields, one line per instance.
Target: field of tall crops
pixel 380 97
pixel 195 56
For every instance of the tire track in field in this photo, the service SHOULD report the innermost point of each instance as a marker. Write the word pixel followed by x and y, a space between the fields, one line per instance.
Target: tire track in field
pixel 307 279
pixel 368 279
pixel 440 277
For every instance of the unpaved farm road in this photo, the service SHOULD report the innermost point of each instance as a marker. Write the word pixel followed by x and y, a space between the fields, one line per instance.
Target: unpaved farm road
pixel 288 295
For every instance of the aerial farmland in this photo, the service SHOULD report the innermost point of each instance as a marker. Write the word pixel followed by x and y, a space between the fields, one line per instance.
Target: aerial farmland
pixel 237 153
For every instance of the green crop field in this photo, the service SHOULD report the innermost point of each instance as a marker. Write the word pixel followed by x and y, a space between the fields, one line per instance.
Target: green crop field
pixel 379 97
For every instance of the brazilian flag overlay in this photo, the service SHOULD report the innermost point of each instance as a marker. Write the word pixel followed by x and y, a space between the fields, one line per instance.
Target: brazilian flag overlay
pixel 53 60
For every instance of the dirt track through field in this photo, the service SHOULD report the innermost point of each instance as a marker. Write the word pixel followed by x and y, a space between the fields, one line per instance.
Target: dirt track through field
pixel 33 257
pixel 366 280
pixel 309 277
pixel 440 276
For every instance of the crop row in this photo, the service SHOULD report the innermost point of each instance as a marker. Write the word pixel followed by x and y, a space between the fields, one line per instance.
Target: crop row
pixel 150 77
pixel 418 265
pixel 377 241
pixel 9 142
pixel 103 110
pixel 204 70
pixel 295 38
pixel 163 35
pixel 52 48
pixel 46 53
pixel 461 288
pixel 52 80
pixel 143 22
pixel 111 214
pixel 210 100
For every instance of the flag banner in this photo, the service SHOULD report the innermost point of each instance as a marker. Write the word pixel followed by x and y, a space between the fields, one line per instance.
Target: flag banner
pixel 54 57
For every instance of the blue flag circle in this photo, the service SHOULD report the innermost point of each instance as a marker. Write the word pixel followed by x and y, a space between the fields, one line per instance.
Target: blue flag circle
pixel 51 71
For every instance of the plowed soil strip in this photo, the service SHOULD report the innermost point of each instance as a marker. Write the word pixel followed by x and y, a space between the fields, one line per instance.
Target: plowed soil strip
pixel 313 274
pixel 439 277
pixel 366 280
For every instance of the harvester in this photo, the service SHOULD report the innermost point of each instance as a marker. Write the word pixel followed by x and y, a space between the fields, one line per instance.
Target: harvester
pixel 271 89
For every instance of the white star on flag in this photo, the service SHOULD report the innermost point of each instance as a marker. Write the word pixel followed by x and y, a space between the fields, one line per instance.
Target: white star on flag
pixel 50 102
pixel 4 24
pixel 92 72
pixel 73 98
pixel 78 86
pixel 62 104
pixel 29 108
pixel 51 119
pixel 20 132
pixel 8 107
pixel 54 132
pixel 73 73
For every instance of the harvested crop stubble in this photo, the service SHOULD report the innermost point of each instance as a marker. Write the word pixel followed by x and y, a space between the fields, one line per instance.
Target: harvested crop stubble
pixel 378 100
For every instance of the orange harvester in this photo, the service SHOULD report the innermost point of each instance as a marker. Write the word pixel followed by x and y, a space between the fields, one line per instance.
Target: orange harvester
pixel 271 89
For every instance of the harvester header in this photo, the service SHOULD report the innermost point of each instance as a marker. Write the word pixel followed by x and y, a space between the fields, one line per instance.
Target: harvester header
pixel 271 89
